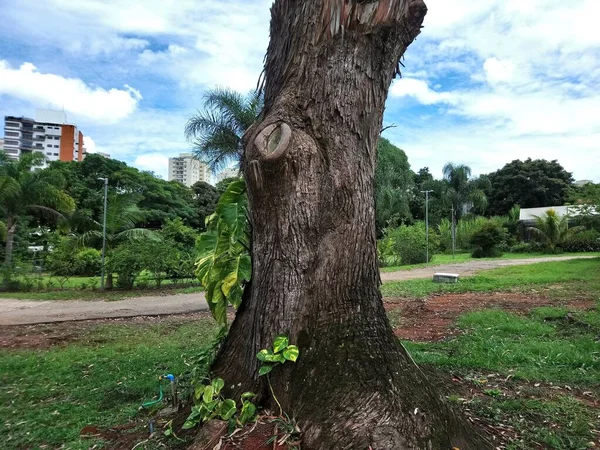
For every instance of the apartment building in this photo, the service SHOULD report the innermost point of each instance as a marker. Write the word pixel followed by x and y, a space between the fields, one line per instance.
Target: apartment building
pixel 49 134
pixel 188 170
pixel 230 172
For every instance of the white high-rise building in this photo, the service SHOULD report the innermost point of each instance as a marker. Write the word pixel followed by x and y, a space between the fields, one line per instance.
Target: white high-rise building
pixel 230 172
pixel 188 170
pixel 49 134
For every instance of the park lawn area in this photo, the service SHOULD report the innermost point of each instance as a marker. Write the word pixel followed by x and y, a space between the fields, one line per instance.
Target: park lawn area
pixel 531 378
pixel 98 376
pixel 464 257
pixel 535 377
pixel 556 279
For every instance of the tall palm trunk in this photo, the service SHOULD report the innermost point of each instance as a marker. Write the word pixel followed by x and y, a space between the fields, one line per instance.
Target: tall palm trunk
pixel 309 170
pixel 11 228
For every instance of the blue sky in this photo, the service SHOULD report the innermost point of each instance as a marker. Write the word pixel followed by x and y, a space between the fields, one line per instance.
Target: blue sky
pixel 485 83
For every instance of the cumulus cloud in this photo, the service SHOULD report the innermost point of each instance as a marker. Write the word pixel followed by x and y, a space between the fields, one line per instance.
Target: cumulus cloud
pixel 419 89
pixel 72 94
pixel 89 144
pixel 153 162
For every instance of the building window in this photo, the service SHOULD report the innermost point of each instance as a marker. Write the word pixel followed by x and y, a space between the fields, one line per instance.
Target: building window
pixel 49 154
pixel 9 142
pixel 56 154
pixel 11 133
pixel 56 146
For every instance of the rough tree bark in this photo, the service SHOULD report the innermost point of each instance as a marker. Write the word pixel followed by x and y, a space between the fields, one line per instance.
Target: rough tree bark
pixel 309 166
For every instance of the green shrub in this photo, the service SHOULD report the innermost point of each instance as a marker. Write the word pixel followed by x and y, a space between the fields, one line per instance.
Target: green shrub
pixel 407 245
pixel 487 239
pixel 585 241
pixel 88 262
pixel 125 261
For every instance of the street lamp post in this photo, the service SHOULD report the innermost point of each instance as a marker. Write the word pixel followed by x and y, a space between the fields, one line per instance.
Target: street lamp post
pixel 104 231
pixel 427 223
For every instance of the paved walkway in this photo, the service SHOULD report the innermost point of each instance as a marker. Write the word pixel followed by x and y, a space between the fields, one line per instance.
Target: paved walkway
pixel 22 312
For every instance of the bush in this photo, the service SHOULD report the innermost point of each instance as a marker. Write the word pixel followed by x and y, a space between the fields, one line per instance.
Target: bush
pixel 407 245
pixel 585 241
pixel 487 238
pixel 125 261
pixel 88 262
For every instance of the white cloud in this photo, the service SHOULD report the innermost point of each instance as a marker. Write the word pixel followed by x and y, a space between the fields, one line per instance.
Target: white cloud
pixel 498 71
pixel 89 144
pixel 419 89
pixel 93 103
pixel 153 162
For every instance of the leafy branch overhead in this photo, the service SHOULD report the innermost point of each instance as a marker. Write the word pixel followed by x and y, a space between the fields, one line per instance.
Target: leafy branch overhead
pixel 224 265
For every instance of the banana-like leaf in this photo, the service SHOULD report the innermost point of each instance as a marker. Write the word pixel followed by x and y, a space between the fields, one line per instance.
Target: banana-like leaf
pixel 224 265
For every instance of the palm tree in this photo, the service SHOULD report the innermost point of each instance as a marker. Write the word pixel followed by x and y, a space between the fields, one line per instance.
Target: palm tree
pixel 28 192
pixel 122 218
pixel 463 192
pixel 553 230
pixel 216 132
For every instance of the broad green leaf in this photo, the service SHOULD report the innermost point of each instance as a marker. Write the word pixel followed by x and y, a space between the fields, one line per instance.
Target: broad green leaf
pixel 210 406
pixel 227 409
pixel 198 392
pixel 247 395
pixel 218 384
pixel 208 394
pixel 291 353
pixel 248 412
pixel 280 343
pixel 263 354
pixel 189 424
pixel 235 296
pixel 264 370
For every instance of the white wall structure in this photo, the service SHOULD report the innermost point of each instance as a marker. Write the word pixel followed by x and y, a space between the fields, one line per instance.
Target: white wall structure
pixel 528 215
pixel 188 170
pixel 49 135
pixel 230 172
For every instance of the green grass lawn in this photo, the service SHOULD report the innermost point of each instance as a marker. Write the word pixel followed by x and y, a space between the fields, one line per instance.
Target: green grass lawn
pixel 566 278
pixel 100 379
pixel 464 257
pixel 535 375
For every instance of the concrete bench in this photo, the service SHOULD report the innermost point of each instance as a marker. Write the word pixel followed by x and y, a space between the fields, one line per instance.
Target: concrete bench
pixel 445 277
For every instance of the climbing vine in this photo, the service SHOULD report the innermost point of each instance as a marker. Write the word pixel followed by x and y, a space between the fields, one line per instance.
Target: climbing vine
pixel 224 265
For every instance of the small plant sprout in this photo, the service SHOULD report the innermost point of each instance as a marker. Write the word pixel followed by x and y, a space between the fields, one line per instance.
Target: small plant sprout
pixel 282 351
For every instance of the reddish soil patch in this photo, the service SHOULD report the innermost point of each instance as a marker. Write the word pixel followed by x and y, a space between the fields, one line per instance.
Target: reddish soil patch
pixel 431 319
pixel 253 438
pixel 42 336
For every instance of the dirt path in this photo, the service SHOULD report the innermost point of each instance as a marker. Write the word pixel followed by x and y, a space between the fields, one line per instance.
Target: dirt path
pixel 22 312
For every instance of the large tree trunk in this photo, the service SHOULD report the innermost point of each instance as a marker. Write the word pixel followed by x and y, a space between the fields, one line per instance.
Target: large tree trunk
pixel 309 167
pixel 11 229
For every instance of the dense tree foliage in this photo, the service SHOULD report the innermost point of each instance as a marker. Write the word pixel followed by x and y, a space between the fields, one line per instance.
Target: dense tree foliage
pixel 529 184
pixel 393 185
pixel 25 193
pixel 205 197
pixel 160 200
pixel 463 193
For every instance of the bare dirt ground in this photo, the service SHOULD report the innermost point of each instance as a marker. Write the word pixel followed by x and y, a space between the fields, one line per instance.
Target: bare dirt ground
pixel 22 312
pixel 432 319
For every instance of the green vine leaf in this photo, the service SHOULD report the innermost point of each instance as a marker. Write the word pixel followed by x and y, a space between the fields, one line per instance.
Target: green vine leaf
pixel 224 265
pixel 291 353
pixel 209 392
pixel 264 370
pixel 228 409
pixel 280 343
pixel 217 384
